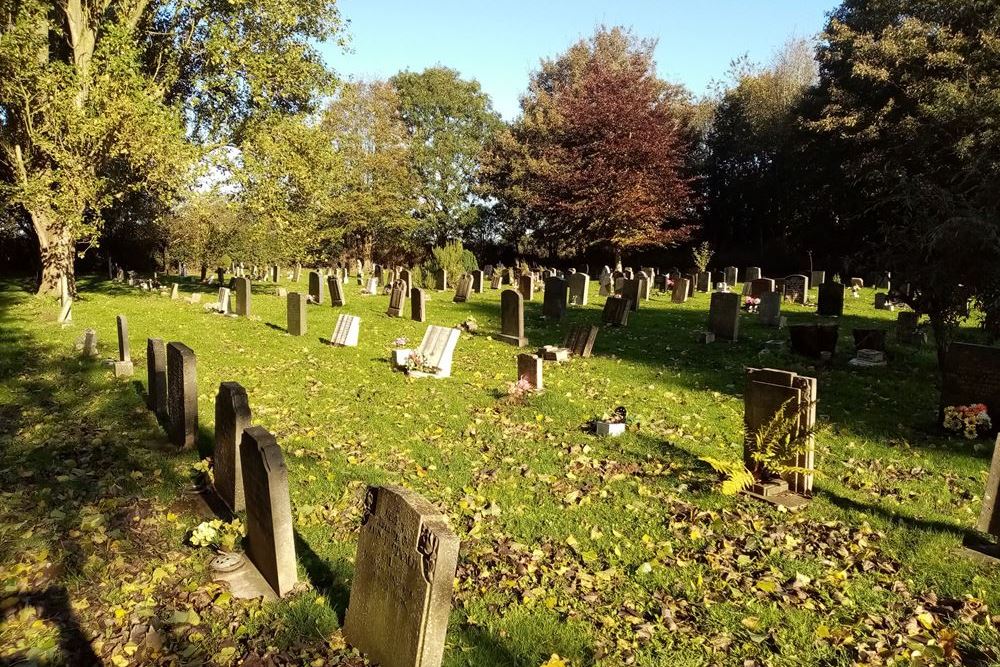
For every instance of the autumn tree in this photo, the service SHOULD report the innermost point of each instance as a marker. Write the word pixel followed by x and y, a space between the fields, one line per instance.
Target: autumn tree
pixel 599 155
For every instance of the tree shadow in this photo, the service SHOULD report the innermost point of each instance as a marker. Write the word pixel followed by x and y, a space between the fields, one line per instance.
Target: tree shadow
pixel 911 522
pixel 53 605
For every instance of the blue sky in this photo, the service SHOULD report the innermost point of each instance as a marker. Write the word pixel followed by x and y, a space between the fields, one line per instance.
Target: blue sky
pixel 500 42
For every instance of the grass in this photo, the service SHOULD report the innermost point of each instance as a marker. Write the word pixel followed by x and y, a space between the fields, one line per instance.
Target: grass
pixel 603 551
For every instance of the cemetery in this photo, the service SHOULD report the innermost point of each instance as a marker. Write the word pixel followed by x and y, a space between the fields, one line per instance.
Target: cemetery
pixel 301 366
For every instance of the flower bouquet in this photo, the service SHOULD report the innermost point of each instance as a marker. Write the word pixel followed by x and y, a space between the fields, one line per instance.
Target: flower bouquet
pixel 416 362
pixel 750 304
pixel 971 421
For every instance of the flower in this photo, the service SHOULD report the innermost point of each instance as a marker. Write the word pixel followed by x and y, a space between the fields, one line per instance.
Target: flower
pixel 969 420
pixel 399 342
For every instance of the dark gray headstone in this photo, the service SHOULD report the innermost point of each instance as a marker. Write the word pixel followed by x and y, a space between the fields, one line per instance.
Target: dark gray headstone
pixel 336 288
pixel 682 288
pixel 156 376
pixel 512 318
pixel 752 273
pixel 797 288
pixel 315 287
pixel 761 286
pixel 769 309
pixel 724 315
pixel 704 281
pixel 463 289
pixel 124 351
pixel 971 374
pixel 989 514
pixel 477 282
pixel 397 299
pixel 526 285
pixel 418 305
pixel 441 280
pixel 732 275
pixel 232 415
pixel 830 300
pixel 556 297
pixel 580 340
pixel 632 290
pixel 182 395
pixel 296 309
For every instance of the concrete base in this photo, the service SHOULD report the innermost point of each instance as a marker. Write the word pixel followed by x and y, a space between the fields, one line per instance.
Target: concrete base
pixel 777 493
pixel 981 550
pixel 706 337
pixel 245 582
pixel 512 340
pixel 123 369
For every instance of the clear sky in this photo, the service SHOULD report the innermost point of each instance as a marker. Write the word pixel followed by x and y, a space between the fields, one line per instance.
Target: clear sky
pixel 499 42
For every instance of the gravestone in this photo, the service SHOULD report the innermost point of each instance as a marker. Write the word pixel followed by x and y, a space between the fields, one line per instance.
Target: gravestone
pixel 232 415
pixel 703 281
pixel 156 377
pixel 182 395
pixel 682 287
pixel 174 291
pixel 971 374
pixel 275 273
pixel 123 365
pixel 884 282
pixel 761 286
pixel 529 368
pixel 857 282
pixel 830 300
pixel 526 285
pixel 296 271
pixel 632 290
pixel 88 346
pixel 607 285
pixel 769 309
pixel 418 305
pixel 556 297
pixel 512 318
pixel 336 289
pixel 616 310
pixel 407 278
pixel 881 301
pixel 296 309
pixel 495 280
pixel 397 299
pixel 372 286
pixel 270 533
pixel 645 285
pixel 989 514
pixel 436 350
pixel 767 392
pixel 243 297
pixel 869 339
pixel 724 315
pixel 463 289
pixel 346 331
pixel 813 340
pixel 579 284
pixel 477 281
pixel 222 306
pixel 752 273
pixel 817 278
pixel 907 328
pixel 441 280
pixel 221 274
pixel 580 340
pixel 404 573
pixel 315 287
pixel 797 288
pixel 732 275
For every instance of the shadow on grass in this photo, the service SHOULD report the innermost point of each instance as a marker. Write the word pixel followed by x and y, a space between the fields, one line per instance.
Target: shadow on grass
pixel 911 522
pixel 53 605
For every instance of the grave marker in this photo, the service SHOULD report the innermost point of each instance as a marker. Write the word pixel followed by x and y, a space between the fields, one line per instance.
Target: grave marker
pixel 463 289
pixel 761 286
pixel 477 281
pixel 441 280
pixel 182 395
pixel 315 288
pixel 512 318
pixel 830 300
pixel 407 278
pixel 555 298
pixel 123 366
pixel 296 310
pixel 704 281
pixel 971 374
pixel 243 297
pixel 682 287
pixel 724 315
pixel 336 289
pixel 418 305
pixel 397 299
pixel 579 284
pixel 769 309
pixel 346 331
pixel 232 416
pixel 752 273
pixel 797 288
pixel 817 277
pixel 632 290
pixel 529 368
pixel 732 275
pixel 580 340
pixel 616 310
pixel 156 377
pixel 436 351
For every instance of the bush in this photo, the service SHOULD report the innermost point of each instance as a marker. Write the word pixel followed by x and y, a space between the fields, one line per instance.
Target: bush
pixel 452 258
pixel 469 262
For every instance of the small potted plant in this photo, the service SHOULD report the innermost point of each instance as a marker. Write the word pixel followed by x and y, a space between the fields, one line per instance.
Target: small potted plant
pixel 611 425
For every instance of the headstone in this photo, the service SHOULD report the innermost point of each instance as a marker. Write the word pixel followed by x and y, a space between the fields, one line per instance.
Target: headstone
pixel 732 275
pixel 526 285
pixel 296 270
pixel 884 282
pixel 222 306
pixel 407 278
pixel 270 533
pixel 232 416
pixel 704 281
pixel 296 309
pixel 182 395
pixel 477 282
pixel 645 285
pixel 971 374
pixel 616 310
pixel 346 331
pixel 989 514
pixel 813 340
pixel 632 290
pixel 682 287
pixel 830 300
pixel 907 328
pixel 752 273
pixel 768 391
pixel 580 340
pixel 769 309
pixel 724 315
pixel 495 280
pixel 441 280
pixel 529 368
pixel 243 297
pixel 817 278
pixel 761 286
pixel 275 273
pixel 174 291
pixel 797 288
pixel 512 318
pixel 372 286
pixel 881 301
pixel 463 289
pixel 418 305
pixel 221 274
pixel 315 287
pixel 579 285
pixel 436 351
pixel 607 285
pixel 857 282
pixel 281 293
pixel 156 377
pixel 123 366
pixel 397 299
pixel 869 339
pixel 555 299
pixel 336 289
pixel 403 580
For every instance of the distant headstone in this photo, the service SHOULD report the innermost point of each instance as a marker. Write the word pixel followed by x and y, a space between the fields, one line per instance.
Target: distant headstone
pixel 477 281
pixel 346 331
pixel 296 309
pixel 817 278
pixel 830 300
pixel 813 340
pixel 296 271
pixel 884 282
pixel 529 368
pixel 182 395
pixel 441 280
pixel 760 286
pixel 336 289
pixel 881 301
pixel 232 416
pixel 682 287
pixel 495 280
pixel 403 580
pixel 156 377
pixel 275 273
pixel 512 318
pixel 123 365
pixel 270 532
pixel 752 273
pixel 407 278
pixel 724 315
pixel 579 285
pixel 580 340
pixel 372 286
pixel 616 310
pixel 418 305
pixel 222 306
pixel 732 275
pixel 397 299
pixel 769 309
pixel 174 291
pixel 797 288
pixel 632 290
pixel 857 282
pixel 315 287
pixel 645 285
pixel 555 299
pixel 463 289
pixel 526 285
pixel 243 297
pixel 703 281
pixel 869 339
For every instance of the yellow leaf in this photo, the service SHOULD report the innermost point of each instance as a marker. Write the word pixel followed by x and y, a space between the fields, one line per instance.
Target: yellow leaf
pixel 926 619
pixel 555 661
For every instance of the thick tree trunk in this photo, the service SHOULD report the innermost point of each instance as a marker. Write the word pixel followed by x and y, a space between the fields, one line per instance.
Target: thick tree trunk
pixel 55 253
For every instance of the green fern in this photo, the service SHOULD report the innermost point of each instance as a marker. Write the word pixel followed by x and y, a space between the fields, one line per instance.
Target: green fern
pixel 780 440
pixel 735 476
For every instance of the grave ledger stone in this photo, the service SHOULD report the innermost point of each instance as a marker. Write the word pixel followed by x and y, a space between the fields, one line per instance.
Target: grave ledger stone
pixel 346 331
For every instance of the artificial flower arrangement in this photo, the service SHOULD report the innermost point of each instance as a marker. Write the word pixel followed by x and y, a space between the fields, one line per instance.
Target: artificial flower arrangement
pixel 750 304
pixel 416 362
pixel 971 421
pixel 518 391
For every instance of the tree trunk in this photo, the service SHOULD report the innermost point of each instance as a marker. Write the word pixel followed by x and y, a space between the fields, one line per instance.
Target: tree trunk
pixel 55 253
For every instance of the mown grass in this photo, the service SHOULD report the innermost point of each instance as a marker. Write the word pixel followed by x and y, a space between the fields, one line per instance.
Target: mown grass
pixel 607 552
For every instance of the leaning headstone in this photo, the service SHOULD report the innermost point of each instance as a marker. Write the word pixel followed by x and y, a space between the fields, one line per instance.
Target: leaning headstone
pixel 441 280
pixel 752 273
pixel 296 310
pixel 632 290
pixel 123 365
pixel 769 309
pixel 174 291
pixel 435 352
pixel 526 285
pixel 346 331
pixel 724 315
pixel 682 287
pixel 797 288
pixel 336 289
pixel 477 281
pixel 156 377
pixel 556 296
pixel 397 299
pixel 732 275
pixel 403 580
pixel 512 318
pixel 580 340
pixel 579 284
pixel 989 514
pixel 830 299
pixel 243 297
pixel 270 532
pixel 418 305
pixel 182 395
pixel 315 287
pixel 232 416
pixel 529 369
pixel 616 310
pixel 463 289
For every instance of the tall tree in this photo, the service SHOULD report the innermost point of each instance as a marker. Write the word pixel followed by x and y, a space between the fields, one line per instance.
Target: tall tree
pixel 599 154
pixel 96 99
pixel 449 120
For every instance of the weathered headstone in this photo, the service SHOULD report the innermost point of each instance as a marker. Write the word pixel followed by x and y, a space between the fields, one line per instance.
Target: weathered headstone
pixel 529 369
pixel 123 365
pixel 463 289
pixel 156 377
pixel 989 514
pixel 761 286
pixel 495 280
pixel 336 289
pixel 296 309
pixel 632 290
pixel 403 579
pixel 616 310
pixel 817 277
pixel 732 275
pixel 174 291
pixel 441 280
pixel 556 297
pixel 270 533
pixel 275 273
pixel 526 285
pixel 182 395
pixel 232 416
pixel 315 287
pixel 752 273
pixel 372 286
pixel 682 287
pixel 418 305
pixel 830 299
pixel 645 285
pixel 769 309
pixel 512 318
pixel 243 297
pixel 797 288
pixel 346 331
pixel 222 305
pixel 477 281
pixel 858 282
pixel 579 285
pixel 296 271
pixel 724 315
pixel 397 299
pixel 580 340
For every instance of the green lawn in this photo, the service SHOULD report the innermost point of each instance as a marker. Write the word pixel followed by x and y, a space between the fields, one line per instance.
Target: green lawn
pixel 603 551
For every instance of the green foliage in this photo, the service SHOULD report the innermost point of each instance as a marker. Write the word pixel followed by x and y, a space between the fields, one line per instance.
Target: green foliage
pixel 778 441
pixel 469 261
pixel 451 257
pixel 701 255
pixel 735 476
